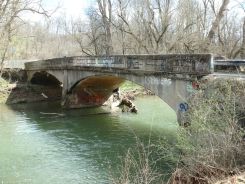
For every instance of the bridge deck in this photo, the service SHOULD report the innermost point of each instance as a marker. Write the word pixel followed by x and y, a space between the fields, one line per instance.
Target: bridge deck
pixel 195 64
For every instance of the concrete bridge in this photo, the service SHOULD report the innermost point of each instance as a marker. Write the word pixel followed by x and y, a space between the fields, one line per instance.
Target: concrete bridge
pixel 90 81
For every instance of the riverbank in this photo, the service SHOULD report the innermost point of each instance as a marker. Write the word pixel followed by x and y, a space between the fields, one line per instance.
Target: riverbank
pixel 21 92
pixel 132 90
pixel 124 98
pixel 210 149
pixel 213 146
pixel 4 90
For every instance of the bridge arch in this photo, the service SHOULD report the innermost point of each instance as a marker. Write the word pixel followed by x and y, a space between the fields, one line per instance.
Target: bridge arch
pixel 44 78
pixel 91 89
pixel 168 76
pixel 49 85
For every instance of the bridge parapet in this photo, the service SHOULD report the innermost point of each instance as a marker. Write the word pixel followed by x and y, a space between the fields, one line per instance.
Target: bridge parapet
pixel 193 64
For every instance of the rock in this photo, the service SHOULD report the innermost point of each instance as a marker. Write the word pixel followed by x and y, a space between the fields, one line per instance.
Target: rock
pixel 127 106
pixel 134 110
pixel 125 101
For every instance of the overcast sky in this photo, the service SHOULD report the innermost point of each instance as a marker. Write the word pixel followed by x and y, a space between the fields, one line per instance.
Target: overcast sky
pixel 71 8
pixel 77 8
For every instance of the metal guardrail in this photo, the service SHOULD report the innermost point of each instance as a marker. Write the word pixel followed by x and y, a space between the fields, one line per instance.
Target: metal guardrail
pixel 230 62
pixel 230 66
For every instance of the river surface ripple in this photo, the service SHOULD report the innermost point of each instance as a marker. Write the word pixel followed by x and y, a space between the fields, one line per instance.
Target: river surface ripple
pixel 42 143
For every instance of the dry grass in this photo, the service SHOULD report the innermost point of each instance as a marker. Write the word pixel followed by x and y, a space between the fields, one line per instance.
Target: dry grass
pixel 138 167
pixel 4 92
pixel 211 148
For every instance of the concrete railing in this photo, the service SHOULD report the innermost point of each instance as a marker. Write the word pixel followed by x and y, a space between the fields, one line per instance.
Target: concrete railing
pixel 196 64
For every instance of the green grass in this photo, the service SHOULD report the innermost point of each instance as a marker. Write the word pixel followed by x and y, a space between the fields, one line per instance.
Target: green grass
pixel 129 86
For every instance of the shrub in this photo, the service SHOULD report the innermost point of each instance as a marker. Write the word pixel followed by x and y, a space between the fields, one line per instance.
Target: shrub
pixel 213 145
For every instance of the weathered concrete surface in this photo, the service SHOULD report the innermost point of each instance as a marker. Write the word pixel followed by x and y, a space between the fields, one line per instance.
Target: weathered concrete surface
pixel 89 81
pixel 191 64
pixel 172 91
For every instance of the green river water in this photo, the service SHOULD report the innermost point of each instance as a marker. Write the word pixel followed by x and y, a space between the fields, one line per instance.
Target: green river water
pixel 44 144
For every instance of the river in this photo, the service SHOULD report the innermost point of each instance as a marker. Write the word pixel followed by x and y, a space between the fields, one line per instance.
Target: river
pixel 42 143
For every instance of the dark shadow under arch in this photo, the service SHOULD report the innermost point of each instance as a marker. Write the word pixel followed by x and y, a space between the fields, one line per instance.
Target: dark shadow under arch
pixel 45 79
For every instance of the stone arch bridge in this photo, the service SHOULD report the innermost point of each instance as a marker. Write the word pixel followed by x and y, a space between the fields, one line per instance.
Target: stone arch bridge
pixel 90 81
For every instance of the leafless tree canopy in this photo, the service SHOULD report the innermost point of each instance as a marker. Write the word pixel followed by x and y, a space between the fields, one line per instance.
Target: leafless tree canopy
pixel 10 21
pixel 126 27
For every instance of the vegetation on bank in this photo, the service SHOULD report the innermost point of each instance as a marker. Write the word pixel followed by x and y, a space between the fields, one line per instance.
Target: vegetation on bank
pixel 130 90
pixel 4 92
pixel 130 86
pixel 136 27
pixel 21 92
pixel 210 148
pixel 213 145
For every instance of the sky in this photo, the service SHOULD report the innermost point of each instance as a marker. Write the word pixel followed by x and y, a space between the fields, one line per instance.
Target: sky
pixel 74 8
pixel 71 8
pixel 77 8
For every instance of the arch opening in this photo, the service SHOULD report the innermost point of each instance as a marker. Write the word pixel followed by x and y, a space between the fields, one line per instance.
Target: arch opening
pixel 138 89
pixel 45 79
pixel 92 91
pixel 95 90
pixel 45 87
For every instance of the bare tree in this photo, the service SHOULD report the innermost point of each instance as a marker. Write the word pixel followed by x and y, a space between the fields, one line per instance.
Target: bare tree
pixel 122 8
pixel 10 11
pixel 105 9
pixel 133 27
pixel 217 19
pixel 243 42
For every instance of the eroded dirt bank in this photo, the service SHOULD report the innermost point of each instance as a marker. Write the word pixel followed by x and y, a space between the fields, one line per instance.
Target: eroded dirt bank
pixel 15 89
pixel 26 93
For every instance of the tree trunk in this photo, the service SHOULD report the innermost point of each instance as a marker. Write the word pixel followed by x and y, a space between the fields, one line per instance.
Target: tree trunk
pixel 105 8
pixel 217 20
pixel 243 42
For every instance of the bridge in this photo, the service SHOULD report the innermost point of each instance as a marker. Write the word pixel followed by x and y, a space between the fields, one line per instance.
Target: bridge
pixel 90 81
